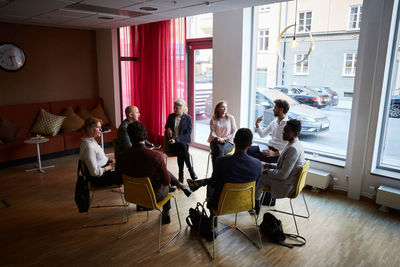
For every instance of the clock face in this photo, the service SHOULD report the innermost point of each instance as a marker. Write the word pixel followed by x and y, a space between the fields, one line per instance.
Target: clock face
pixel 12 58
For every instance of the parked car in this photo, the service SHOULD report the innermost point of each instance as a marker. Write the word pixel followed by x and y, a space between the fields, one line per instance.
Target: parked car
pixel 305 95
pixel 208 110
pixel 333 95
pixel 312 120
pixel 205 77
pixel 395 107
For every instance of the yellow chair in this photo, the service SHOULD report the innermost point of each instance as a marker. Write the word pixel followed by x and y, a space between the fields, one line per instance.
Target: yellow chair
pixel 301 182
pixel 227 154
pixel 234 198
pixel 112 188
pixel 140 191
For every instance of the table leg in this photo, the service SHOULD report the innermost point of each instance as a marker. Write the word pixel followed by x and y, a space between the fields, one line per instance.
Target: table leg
pixel 39 165
pixel 102 140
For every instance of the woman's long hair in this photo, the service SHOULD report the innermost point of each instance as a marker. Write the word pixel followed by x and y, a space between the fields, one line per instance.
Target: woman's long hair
pixel 216 113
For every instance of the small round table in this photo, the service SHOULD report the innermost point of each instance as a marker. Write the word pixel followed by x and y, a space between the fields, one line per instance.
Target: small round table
pixel 38 141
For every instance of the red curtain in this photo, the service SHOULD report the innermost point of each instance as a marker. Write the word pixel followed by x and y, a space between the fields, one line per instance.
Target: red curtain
pixel 158 77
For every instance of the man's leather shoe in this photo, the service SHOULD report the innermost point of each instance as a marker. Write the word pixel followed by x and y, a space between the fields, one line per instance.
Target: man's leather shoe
pixel 186 190
pixel 165 219
pixel 193 185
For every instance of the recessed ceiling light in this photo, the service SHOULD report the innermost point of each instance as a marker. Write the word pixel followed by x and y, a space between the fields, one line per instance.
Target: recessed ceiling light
pixel 148 8
pixel 105 18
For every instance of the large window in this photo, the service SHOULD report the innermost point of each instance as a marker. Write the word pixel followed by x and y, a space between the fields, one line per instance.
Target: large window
pixel 388 155
pixel 320 94
pixel 355 17
pixel 349 66
pixel 263 37
pixel 304 21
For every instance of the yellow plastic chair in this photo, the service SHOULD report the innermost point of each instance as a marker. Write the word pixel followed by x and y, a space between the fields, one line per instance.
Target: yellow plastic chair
pixel 140 191
pixel 234 198
pixel 301 182
pixel 93 190
pixel 209 157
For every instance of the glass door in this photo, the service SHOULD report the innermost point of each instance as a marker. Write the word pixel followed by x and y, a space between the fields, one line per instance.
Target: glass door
pixel 200 88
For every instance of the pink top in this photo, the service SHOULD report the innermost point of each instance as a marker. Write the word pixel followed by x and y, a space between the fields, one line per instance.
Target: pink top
pixel 223 128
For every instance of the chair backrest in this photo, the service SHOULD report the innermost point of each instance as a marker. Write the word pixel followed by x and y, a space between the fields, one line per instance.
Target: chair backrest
pixel 236 197
pixel 231 152
pixel 301 179
pixel 139 191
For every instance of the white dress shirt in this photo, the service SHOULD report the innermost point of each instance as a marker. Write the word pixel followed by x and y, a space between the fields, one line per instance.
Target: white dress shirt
pixel 275 129
pixel 93 156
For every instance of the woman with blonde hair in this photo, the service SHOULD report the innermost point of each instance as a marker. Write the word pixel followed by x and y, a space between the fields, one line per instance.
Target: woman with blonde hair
pixel 222 131
pixel 178 130
pixel 92 155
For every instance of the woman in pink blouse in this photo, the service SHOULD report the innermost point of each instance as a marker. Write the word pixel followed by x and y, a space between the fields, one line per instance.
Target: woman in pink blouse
pixel 223 129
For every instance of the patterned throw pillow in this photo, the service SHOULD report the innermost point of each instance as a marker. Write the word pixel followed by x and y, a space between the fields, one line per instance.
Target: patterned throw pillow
pixel 83 113
pixel 8 130
pixel 47 123
pixel 99 113
pixel 72 121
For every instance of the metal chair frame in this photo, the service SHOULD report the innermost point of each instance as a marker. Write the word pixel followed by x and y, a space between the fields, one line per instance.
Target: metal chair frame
pixel 302 172
pixel 235 226
pixel 209 157
pixel 149 189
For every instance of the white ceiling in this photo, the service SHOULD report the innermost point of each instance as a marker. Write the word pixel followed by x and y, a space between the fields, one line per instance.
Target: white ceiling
pixel 60 13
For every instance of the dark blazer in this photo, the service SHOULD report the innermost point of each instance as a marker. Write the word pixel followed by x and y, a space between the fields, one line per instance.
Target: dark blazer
pixel 140 161
pixel 238 168
pixel 185 127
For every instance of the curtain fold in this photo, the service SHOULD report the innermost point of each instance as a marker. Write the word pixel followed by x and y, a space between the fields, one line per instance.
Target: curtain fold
pixel 158 78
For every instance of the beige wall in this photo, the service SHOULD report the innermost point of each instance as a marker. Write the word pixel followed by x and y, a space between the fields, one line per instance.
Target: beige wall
pixel 61 64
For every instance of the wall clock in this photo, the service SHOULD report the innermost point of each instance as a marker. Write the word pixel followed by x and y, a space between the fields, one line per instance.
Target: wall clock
pixel 12 58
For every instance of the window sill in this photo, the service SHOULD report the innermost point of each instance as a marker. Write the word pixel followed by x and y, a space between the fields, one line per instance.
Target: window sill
pixel 348 76
pixel 327 160
pixel 386 173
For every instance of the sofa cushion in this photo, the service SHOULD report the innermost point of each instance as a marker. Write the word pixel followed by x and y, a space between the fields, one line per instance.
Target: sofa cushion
pixel 83 113
pixel 8 130
pixel 72 121
pixel 99 113
pixel 47 123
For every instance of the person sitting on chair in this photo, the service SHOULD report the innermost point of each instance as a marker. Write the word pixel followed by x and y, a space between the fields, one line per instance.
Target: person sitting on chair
pixel 282 178
pixel 123 142
pixel 275 129
pixel 238 168
pixel 139 161
pixel 178 130
pixel 222 131
pixel 92 155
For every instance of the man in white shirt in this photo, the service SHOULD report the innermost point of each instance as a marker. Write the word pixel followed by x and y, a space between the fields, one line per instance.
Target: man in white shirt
pixel 275 130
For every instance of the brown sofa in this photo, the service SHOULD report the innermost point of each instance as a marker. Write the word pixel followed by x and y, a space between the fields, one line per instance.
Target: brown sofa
pixel 24 117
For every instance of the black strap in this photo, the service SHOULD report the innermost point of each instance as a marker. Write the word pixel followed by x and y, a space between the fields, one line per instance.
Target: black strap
pixel 300 241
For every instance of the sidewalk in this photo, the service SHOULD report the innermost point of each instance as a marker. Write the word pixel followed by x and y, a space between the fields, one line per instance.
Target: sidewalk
pixel 344 103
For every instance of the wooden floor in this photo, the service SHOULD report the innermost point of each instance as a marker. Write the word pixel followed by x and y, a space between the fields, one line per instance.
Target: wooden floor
pixel 40 226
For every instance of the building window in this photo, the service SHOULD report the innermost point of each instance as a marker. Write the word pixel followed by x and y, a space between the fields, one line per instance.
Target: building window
pixel 349 66
pixel 304 21
pixel 355 17
pixel 301 67
pixel 261 77
pixel 263 38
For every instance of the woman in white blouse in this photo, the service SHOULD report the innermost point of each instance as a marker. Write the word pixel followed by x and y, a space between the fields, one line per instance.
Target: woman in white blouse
pixel 222 131
pixel 100 167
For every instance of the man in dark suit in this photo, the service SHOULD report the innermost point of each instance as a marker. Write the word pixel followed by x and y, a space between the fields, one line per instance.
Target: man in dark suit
pixel 238 168
pixel 140 161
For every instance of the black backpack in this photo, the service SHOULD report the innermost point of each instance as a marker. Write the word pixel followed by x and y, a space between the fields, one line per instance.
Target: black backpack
pixel 82 194
pixel 271 227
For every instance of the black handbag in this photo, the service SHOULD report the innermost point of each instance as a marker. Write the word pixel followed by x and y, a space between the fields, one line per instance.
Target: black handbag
pixel 82 194
pixel 200 222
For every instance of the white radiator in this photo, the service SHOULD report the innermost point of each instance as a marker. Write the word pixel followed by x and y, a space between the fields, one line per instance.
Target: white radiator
pixel 388 197
pixel 318 179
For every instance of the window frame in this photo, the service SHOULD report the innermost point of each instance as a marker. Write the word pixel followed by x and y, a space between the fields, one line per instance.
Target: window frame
pixel 302 72
pixel 359 17
pixel 305 20
pixel 264 39
pixel 353 65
